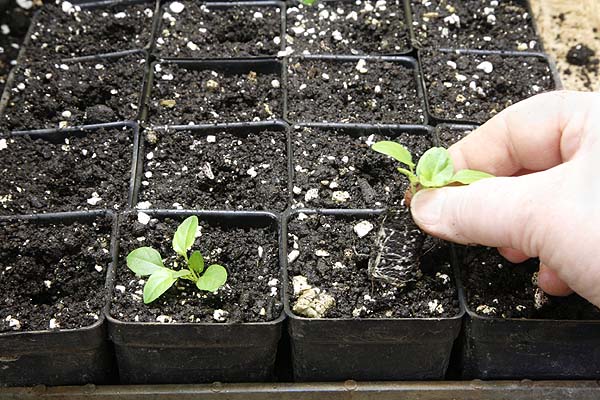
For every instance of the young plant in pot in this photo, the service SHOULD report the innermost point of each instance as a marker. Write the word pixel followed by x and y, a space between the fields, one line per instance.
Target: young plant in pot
pixel 146 261
pixel 370 284
pixel 162 325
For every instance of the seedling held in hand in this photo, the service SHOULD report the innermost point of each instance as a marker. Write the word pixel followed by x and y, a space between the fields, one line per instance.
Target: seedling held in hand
pixel 147 261
pixel 434 169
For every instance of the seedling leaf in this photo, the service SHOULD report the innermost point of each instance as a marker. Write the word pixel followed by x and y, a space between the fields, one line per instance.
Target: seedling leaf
pixel 309 2
pixel 185 236
pixel 435 168
pixel 214 277
pixel 196 262
pixel 180 273
pixel 468 176
pixel 144 261
pixel 158 283
pixel 394 150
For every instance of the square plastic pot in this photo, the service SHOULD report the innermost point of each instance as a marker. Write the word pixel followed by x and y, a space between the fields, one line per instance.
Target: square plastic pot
pixel 367 349
pixel 415 43
pixel 403 61
pixel 225 5
pixel 62 357
pixel 436 120
pixel 200 352
pixel 512 348
pixel 201 131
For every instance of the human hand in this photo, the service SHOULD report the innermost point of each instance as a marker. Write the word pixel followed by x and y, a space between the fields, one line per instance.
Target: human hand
pixel 545 201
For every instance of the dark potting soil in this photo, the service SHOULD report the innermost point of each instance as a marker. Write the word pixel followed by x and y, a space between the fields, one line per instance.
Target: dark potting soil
pixel 474 24
pixel 66 31
pixel 74 94
pixel 14 22
pixel 474 87
pixel 497 288
pixel 182 96
pixel 193 30
pixel 76 173
pixel 449 135
pixel 224 170
pixel 343 27
pixel 333 254
pixel 334 169
pixel 250 255
pixel 52 275
pixel 355 91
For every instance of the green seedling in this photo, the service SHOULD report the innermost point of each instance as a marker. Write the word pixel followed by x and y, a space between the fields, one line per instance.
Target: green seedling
pixel 146 261
pixel 309 2
pixel 434 169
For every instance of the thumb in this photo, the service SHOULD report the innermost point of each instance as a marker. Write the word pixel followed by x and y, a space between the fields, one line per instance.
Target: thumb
pixel 496 212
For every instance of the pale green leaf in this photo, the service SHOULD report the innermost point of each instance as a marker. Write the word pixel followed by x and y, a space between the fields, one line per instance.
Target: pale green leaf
pixel 196 262
pixel 185 235
pixel 468 176
pixel 214 277
pixel 435 168
pixel 180 273
pixel 309 2
pixel 394 150
pixel 158 283
pixel 144 261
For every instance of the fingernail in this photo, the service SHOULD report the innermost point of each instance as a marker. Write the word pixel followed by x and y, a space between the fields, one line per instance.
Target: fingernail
pixel 426 206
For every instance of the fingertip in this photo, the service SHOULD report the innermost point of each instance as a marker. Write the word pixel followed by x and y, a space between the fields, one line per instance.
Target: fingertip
pixel 513 255
pixel 551 283
pixel 426 207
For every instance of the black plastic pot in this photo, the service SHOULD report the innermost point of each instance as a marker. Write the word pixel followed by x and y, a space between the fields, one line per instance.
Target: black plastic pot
pixel 219 4
pixel 96 4
pixel 435 120
pixel 59 135
pixel 6 94
pixel 229 67
pixel 409 51
pixel 406 62
pixel 242 129
pixel 417 45
pixel 367 349
pixel 513 348
pixel 356 130
pixel 61 357
pixel 200 352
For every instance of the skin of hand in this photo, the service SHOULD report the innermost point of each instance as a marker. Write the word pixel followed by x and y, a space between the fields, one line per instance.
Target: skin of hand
pixel 545 200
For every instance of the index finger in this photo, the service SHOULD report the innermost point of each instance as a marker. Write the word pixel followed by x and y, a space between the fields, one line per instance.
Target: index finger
pixel 535 134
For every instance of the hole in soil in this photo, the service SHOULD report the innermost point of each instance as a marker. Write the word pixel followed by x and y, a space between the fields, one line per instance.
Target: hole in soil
pixel 45 298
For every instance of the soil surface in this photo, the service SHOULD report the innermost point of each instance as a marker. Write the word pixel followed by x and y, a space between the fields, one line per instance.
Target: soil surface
pixel 74 94
pixel 342 27
pixel 473 87
pixel 474 24
pixel 52 276
pixel 355 91
pixel 333 169
pixel 250 255
pixel 201 31
pixel 497 288
pixel 450 135
pixel 14 22
pixel 75 173
pixel 194 170
pixel 329 253
pixel 62 32
pixel 567 24
pixel 183 96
